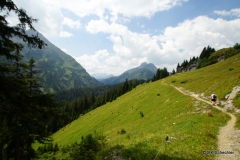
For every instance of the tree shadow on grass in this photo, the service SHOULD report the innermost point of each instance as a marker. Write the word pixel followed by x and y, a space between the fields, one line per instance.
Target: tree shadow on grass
pixel 139 151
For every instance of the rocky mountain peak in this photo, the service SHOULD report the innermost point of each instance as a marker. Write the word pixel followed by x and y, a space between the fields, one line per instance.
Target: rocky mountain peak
pixel 149 66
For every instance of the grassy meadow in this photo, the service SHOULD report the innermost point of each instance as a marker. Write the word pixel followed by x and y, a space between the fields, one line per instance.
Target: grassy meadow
pixel 219 78
pixel 166 112
pixel 136 124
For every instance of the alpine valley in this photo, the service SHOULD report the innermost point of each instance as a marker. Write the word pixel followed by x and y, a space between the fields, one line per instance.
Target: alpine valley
pixel 59 70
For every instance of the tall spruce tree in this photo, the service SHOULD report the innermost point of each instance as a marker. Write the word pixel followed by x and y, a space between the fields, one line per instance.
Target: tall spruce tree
pixel 24 110
pixel 206 52
pixel 161 73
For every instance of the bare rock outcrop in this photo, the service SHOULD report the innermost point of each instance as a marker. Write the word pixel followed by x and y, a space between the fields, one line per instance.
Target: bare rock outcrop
pixel 229 98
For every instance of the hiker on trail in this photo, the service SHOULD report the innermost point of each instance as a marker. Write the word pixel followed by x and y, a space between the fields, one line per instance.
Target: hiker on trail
pixel 213 98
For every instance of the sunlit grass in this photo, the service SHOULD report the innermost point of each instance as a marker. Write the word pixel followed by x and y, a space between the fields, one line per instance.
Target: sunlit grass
pixel 170 114
pixel 166 112
pixel 218 78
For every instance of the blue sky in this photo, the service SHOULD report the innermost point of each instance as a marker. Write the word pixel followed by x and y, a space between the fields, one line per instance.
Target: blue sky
pixel 112 36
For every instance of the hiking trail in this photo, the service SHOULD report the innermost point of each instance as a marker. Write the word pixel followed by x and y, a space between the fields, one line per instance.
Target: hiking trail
pixel 228 138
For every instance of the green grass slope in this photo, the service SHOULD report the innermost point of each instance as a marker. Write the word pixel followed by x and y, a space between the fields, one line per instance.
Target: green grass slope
pixel 219 78
pixel 166 112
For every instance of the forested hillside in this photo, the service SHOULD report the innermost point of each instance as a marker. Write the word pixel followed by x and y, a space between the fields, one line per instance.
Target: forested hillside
pixel 76 102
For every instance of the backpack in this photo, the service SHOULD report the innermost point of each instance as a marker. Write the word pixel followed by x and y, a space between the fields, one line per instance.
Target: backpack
pixel 214 96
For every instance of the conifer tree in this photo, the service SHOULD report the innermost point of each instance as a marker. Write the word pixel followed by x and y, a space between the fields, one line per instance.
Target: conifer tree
pixel 173 71
pixel 24 111
pixel 203 53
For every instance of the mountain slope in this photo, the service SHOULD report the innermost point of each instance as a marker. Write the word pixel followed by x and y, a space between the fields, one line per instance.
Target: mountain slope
pixel 144 71
pixel 60 71
pixel 166 112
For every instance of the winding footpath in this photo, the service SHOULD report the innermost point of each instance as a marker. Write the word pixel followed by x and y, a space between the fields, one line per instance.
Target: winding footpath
pixel 228 138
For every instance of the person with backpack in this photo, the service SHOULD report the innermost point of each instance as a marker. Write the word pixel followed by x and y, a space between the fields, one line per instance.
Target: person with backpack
pixel 213 98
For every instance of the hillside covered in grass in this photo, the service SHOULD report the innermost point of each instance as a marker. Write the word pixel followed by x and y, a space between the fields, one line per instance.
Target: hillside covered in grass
pixel 138 123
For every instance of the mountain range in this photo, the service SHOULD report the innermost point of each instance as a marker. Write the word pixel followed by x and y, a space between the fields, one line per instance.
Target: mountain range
pixel 145 71
pixel 100 76
pixel 59 70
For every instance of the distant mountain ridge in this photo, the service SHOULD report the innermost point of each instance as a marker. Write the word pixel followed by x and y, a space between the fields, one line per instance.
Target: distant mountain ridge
pixel 100 76
pixel 59 70
pixel 144 71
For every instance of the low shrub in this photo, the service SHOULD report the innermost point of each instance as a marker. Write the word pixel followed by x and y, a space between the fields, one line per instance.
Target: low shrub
pixel 141 114
pixel 86 149
pixel 185 81
pixel 123 131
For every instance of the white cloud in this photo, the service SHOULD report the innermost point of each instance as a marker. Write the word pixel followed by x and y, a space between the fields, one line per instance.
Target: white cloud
pixel 130 48
pixel 71 23
pixel 185 40
pixel 52 20
pixel 104 62
pixel 95 26
pixel 201 31
pixel 234 12
pixel 133 8
pixel 11 19
pixel 65 34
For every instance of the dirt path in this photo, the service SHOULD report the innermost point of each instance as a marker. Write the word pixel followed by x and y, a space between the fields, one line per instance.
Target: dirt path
pixel 228 138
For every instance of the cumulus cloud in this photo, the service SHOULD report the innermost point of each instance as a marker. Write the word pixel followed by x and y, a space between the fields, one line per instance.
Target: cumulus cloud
pixel 51 18
pixel 104 62
pixel 71 23
pixel 187 39
pixel 233 13
pixel 133 8
pixel 65 34
pixel 130 48
pixel 100 61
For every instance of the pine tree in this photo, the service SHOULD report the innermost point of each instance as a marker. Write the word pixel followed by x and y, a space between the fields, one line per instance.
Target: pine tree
pixel 173 71
pixel 24 111
pixel 203 53
pixel 154 78
pixel 32 80
pixel 125 87
pixel 206 52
